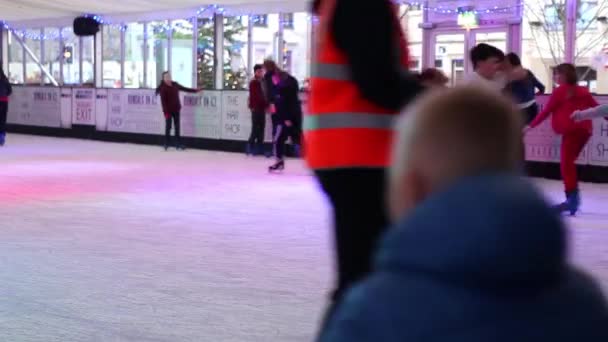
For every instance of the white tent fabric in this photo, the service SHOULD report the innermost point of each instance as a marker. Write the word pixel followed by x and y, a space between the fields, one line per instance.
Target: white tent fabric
pixel 31 10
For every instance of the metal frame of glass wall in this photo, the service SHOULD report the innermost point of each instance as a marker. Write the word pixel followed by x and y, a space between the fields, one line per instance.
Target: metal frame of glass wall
pixel 98 43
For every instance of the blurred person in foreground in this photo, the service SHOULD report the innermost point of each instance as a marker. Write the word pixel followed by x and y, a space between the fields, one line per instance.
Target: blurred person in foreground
pixel 359 82
pixel 566 99
pixel 475 253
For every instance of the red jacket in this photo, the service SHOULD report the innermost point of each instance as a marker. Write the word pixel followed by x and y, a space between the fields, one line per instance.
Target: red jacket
pixel 562 103
pixel 169 97
pixel 257 100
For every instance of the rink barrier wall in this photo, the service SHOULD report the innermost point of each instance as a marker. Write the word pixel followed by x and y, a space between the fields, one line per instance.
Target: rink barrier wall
pixel 220 120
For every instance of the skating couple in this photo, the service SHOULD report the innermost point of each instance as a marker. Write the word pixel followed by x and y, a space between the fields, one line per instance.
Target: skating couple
pixel 568 105
pixel 171 104
pixel 5 91
pixel 277 92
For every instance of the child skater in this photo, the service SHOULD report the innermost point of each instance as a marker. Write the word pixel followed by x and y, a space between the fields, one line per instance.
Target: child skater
pixel 564 100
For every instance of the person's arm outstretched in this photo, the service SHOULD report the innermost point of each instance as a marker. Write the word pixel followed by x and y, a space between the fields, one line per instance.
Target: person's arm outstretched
pixel 185 89
pixel 537 84
pixel 550 107
pixel 591 113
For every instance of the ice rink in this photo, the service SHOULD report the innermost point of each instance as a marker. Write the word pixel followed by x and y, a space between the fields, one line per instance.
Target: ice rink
pixel 120 242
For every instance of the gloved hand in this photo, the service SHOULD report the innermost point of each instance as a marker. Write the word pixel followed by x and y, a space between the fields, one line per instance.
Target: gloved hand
pixel 580 115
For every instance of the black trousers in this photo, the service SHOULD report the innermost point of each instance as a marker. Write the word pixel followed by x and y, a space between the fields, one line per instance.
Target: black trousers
pixel 530 113
pixel 360 219
pixel 3 115
pixel 280 137
pixel 275 123
pixel 175 118
pixel 258 125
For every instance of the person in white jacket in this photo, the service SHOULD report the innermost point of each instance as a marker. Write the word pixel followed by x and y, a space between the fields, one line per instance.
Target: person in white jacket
pixel 591 113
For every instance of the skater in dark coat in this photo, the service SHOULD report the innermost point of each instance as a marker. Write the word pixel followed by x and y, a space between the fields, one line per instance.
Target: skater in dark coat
pixel 523 90
pixel 288 117
pixel 169 97
pixel 5 91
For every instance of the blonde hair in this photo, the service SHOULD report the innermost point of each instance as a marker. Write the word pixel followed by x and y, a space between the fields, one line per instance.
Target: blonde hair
pixel 456 133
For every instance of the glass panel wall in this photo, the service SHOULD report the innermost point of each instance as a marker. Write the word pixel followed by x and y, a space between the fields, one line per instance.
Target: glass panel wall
pixel 297 45
pixel 33 40
pixel 591 45
pixel 134 56
pixel 158 51
pixel 265 37
pixel 411 18
pixel 15 60
pixel 205 54
pixel 543 38
pixel 111 54
pixel 88 61
pixel 182 52
pixel 71 55
pixel 52 54
pixel 235 52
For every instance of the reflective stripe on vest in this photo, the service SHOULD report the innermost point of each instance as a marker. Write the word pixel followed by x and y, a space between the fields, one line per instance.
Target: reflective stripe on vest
pixel 336 72
pixel 348 120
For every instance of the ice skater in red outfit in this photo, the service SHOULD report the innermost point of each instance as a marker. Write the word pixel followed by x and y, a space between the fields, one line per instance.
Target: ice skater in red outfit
pixel 565 100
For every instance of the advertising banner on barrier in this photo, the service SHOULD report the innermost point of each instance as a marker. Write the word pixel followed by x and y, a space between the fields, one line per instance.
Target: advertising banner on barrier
pixel 135 111
pixel 18 107
pixel 101 109
pixel 66 107
pixel 83 106
pixel 236 117
pixel 598 146
pixel 201 115
pixel 35 106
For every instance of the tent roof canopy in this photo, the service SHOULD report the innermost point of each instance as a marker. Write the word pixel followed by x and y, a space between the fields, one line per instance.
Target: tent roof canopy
pixel 28 12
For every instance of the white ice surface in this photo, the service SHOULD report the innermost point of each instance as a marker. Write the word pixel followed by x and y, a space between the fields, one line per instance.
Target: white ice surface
pixel 120 242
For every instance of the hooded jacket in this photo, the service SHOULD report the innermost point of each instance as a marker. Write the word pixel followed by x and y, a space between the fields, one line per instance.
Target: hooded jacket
pixel 484 260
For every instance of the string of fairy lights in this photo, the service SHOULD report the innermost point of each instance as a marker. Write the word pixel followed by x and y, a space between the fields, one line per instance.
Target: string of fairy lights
pixel 161 27
pixel 451 10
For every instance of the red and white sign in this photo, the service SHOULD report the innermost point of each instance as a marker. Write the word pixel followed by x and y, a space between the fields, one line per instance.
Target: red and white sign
pixel 83 106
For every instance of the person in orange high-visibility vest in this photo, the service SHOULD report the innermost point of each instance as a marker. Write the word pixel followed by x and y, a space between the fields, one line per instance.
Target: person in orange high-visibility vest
pixel 358 85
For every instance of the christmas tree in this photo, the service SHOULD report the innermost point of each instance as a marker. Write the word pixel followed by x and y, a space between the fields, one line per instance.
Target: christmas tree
pixel 233 28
